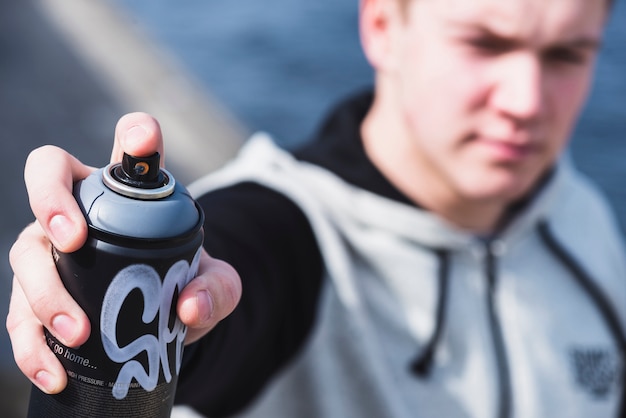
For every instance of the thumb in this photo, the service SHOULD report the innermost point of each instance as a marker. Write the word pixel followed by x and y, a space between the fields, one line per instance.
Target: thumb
pixel 137 134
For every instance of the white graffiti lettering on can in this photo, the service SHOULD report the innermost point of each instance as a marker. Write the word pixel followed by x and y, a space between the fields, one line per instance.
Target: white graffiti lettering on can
pixel 158 298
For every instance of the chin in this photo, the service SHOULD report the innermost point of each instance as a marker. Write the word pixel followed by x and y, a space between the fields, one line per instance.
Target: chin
pixel 504 183
pixel 498 192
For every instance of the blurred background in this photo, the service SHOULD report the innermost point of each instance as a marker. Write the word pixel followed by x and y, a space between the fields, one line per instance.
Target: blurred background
pixel 212 72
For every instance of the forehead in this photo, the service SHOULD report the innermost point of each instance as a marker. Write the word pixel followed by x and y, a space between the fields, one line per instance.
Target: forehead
pixel 541 20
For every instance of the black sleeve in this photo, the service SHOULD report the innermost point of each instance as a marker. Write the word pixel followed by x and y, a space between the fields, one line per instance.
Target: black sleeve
pixel 269 241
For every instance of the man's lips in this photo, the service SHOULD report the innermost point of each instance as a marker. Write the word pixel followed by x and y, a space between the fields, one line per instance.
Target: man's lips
pixel 507 150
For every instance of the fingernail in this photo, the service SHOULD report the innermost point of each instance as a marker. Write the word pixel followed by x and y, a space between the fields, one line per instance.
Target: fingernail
pixel 205 305
pixel 64 328
pixel 62 230
pixel 135 134
pixel 46 381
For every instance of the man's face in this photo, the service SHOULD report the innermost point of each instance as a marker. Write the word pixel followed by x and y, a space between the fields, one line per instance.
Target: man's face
pixel 489 90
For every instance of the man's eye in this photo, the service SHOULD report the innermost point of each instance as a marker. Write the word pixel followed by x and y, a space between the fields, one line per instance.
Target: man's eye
pixel 489 45
pixel 565 55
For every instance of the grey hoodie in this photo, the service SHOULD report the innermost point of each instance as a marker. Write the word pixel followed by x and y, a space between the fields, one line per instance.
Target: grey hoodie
pixel 528 324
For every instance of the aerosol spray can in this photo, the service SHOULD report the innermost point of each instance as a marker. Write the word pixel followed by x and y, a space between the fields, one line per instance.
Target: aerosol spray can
pixel 143 247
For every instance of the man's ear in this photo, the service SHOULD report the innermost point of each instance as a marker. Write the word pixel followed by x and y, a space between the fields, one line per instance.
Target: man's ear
pixel 377 22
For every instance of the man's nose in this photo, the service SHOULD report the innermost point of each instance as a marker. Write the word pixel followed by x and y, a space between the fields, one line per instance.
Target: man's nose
pixel 519 90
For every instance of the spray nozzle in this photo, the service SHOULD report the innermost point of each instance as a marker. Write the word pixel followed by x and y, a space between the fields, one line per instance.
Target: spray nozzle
pixel 140 172
pixel 139 177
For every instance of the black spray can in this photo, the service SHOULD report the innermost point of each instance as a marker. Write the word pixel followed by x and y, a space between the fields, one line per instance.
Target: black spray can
pixel 145 235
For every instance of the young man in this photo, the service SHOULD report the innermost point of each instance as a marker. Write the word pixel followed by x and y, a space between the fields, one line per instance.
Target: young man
pixel 428 254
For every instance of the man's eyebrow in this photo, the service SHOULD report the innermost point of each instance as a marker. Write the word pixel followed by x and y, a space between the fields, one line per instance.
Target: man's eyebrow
pixel 589 42
pixel 470 30
pixel 583 42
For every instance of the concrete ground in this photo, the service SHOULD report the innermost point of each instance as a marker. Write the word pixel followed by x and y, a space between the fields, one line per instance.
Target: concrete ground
pixel 68 70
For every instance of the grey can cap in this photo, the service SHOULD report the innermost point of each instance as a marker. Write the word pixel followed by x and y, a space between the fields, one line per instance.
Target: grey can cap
pixel 112 212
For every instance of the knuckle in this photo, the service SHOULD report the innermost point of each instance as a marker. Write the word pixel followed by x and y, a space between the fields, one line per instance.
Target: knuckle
pixel 19 250
pixel 25 352
pixel 24 357
pixel 22 248
pixel 40 304
pixel 12 323
pixel 47 201
pixel 41 156
pixel 40 153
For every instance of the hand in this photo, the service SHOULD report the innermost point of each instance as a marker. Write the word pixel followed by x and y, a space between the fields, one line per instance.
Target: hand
pixel 39 298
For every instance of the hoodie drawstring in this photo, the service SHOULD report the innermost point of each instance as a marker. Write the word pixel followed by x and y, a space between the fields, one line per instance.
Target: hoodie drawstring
pixel 422 364
pixel 599 298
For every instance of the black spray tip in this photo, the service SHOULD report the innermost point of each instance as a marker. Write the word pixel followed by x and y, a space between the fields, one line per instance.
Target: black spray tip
pixel 140 172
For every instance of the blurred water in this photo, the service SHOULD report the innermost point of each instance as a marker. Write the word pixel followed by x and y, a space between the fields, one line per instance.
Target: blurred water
pixel 278 65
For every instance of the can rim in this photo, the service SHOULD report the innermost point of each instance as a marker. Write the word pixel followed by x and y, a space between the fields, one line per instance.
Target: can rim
pixel 135 192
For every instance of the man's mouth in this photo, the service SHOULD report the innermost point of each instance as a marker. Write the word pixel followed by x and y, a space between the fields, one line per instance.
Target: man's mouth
pixel 507 150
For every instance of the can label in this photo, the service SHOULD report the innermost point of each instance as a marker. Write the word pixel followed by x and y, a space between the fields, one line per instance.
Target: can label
pixel 130 364
pixel 147 356
pixel 158 296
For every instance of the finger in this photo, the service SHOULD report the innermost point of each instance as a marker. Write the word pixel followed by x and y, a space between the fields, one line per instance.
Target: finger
pixel 30 350
pixel 49 175
pixel 48 299
pixel 208 298
pixel 137 134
